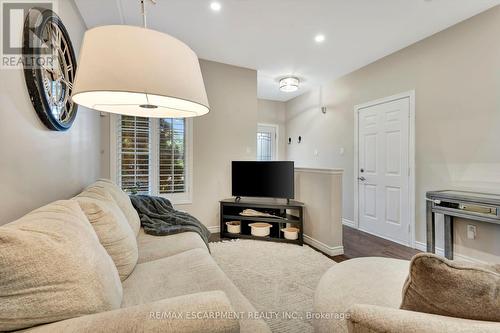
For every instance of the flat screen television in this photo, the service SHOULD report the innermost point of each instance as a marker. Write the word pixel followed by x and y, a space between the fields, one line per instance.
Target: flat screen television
pixel 273 179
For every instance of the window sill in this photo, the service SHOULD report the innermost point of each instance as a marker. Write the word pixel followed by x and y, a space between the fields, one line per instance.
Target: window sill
pixel 181 202
pixel 178 199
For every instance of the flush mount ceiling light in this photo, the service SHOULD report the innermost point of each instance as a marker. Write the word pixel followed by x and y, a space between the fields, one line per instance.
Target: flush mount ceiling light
pixel 215 6
pixel 319 38
pixel 139 72
pixel 289 84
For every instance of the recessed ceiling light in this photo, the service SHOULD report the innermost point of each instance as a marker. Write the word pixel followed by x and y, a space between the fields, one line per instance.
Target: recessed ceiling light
pixel 215 6
pixel 319 38
pixel 289 84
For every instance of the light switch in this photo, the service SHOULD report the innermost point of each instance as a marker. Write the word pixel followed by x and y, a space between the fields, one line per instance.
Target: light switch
pixel 471 231
pixel 341 151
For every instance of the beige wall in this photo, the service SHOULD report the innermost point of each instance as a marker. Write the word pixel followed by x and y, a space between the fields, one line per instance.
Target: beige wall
pixel 456 77
pixel 273 112
pixel 321 192
pixel 37 165
pixel 225 134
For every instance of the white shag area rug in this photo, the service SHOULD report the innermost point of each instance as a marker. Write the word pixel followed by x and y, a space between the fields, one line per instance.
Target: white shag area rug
pixel 279 279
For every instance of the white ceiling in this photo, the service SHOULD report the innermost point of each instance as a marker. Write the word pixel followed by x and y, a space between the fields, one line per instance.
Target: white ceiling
pixel 276 37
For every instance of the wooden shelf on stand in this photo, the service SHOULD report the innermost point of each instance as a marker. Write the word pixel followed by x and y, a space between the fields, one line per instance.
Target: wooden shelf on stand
pixel 288 213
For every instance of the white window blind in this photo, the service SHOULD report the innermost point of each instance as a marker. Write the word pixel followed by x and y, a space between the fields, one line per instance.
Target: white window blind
pixel 152 156
pixel 172 155
pixel 134 158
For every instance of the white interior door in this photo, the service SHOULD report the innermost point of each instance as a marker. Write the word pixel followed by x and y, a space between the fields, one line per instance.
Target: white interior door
pixel 383 186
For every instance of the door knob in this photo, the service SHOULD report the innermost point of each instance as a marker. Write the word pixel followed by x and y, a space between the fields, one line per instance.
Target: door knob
pixel 362 178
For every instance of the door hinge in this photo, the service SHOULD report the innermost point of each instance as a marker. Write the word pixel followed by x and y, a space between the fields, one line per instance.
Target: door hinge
pixel 409 229
pixel 409 172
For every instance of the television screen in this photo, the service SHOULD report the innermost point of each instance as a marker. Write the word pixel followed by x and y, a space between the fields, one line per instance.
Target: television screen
pixel 263 179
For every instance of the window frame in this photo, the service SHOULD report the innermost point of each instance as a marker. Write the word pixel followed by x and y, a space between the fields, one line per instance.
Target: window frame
pixel 183 198
pixel 274 141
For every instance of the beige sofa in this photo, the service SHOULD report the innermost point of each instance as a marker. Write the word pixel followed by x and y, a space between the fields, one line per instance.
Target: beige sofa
pixel 172 274
pixel 364 295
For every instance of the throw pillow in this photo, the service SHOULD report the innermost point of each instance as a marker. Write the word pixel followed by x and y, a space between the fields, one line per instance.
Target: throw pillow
pixel 454 289
pixel 123 201
pixel 112 228
pixel 52 267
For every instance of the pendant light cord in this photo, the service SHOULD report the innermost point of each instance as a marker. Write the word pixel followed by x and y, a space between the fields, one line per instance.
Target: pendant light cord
pixel 144 13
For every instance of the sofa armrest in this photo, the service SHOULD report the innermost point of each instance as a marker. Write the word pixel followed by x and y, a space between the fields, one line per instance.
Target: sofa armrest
pixel 199 312
pixel 377 319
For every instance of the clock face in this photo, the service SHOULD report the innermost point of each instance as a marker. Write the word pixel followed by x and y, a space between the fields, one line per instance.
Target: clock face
pixel 50 72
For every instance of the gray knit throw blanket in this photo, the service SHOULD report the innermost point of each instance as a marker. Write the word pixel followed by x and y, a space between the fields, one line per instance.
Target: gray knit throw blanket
pixel 159 218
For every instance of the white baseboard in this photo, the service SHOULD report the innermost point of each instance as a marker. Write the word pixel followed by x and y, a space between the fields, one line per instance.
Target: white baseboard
pixel 423 247
pixel 348 223
pixel 214 229
pixel 331 251
pixel 440 252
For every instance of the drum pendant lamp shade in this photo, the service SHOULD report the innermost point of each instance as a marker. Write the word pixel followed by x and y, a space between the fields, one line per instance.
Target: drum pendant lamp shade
pixel 139 72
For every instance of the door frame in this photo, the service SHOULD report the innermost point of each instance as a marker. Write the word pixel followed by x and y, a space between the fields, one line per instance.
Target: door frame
pixel 411 159
pixel 276 139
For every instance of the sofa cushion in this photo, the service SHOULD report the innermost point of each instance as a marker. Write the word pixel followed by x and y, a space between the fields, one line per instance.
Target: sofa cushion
pixel 377 319
pixel 123 201
pixel 183 314
pixel 111 227
pixel 157 247
pixel 371 280
pixel 451 288
pixel 189 272
pixel 52 267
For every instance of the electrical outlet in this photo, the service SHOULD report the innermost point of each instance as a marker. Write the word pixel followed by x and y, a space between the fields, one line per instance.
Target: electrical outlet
pixel 471 231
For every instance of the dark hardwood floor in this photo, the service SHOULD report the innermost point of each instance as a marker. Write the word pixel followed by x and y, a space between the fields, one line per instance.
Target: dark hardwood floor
pixel 360 244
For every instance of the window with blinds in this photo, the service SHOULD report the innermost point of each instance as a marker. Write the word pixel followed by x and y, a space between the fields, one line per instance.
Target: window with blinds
pixel 134 158
pixel 151 155
pixel 172 156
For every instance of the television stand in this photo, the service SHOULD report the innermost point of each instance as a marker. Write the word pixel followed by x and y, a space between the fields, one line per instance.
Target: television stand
pixel 288 214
